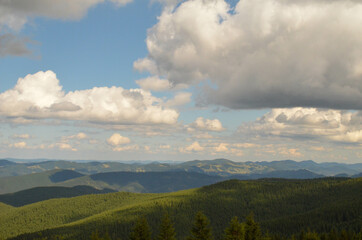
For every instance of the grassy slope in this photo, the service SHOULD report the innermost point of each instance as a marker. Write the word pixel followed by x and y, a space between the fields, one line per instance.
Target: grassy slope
pixel 18 183
pixel 280 206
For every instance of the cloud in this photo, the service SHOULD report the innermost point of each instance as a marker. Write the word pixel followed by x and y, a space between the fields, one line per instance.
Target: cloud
pixel 126 148
pixel 20 145
pixel 15 13
pixel 262 53
pixel 194 147
pixel 165 147
pixel 21 136
pixel 78 136
pixel 308 123
pixel 40 96
pixel 154 84
pixel 12 45
pixel 116 140
pixel 64 146
pixel 206 125
pixel 290 152
pixel 222 147
pixel 180 99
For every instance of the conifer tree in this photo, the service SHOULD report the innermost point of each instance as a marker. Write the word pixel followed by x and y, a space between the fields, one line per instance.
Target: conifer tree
pixel 201 229
pixel 167 231
pixel 252 229
pixel 235 231
pixel 141 230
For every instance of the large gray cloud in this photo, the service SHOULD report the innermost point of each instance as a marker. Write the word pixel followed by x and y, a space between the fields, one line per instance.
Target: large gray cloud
pixel 13 45
pixel 263 53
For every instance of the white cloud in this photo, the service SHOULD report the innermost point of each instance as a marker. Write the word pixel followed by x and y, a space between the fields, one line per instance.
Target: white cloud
pixel 116 140
pixel 308 123
pixel 222 147
pixel 206 125
pixel 262 53
pixel 20 145
pixel 78 136
pixel 121 2
pixel 21 136
pixel 194 147
pixel 64 146
pixel 40 96
pixel 126 148
pixel 293 152
pixel 180 99
pixel 154 84
pixel 165 146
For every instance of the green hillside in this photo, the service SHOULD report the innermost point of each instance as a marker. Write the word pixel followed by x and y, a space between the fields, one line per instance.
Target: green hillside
pixel 38 194
pixel 281 206
pixel 142 182
pixel 47 178
pixel 4 208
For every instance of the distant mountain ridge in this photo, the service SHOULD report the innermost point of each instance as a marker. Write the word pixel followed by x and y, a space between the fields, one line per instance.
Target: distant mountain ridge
pixel 219 167
pixel 140 182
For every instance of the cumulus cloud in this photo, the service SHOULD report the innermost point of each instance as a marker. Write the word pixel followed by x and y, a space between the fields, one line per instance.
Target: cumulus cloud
pixel 262 53
pixel 206 125
pixel 308 123
pixel 116 139
pixel 40 96
pixel 194 147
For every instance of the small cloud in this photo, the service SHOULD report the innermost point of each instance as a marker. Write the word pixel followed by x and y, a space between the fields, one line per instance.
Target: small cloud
pixel 165 147
pixel 126 148
pixel 21 136
pixel 290 152
pixel 223 147
pixel 194 147
pixel 206 125
pixel 20 145
pixel 180 99
pixel 245 145
pixel 116 140
pixel 318 148
pixel 154 84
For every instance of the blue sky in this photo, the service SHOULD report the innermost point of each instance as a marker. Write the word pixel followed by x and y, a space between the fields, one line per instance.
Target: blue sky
pixel 175 81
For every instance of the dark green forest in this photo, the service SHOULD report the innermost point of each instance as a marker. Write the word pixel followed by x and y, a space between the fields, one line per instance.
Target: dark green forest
pixel 283 208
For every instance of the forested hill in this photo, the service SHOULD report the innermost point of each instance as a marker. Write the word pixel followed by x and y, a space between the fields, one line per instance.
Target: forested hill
pixel 38 194
pixel 281 206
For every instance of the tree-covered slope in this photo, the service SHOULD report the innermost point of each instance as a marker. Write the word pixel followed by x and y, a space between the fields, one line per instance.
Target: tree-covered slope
pixel 281 206
pixel 47 178
pixel 38 194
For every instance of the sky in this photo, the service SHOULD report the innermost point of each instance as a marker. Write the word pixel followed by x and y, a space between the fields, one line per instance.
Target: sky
pixel 170 80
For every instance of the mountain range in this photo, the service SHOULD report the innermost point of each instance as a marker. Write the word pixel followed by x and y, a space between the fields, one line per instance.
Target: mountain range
pixel 219 167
